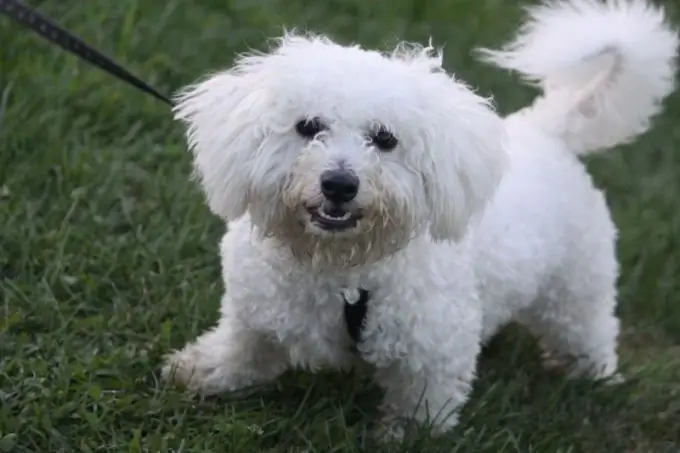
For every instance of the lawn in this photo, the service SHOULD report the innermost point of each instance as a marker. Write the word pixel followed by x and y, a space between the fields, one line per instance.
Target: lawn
pixel 108 254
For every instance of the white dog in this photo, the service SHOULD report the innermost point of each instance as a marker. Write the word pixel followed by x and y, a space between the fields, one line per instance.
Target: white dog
pixel 349 174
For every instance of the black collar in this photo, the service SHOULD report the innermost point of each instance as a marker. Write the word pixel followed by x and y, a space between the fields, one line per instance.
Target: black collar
pixel 355 313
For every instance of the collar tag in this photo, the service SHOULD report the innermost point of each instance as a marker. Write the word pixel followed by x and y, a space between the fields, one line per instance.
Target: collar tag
pixel 351 295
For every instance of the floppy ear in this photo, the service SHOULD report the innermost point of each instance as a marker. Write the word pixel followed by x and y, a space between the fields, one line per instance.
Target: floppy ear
pixel 464 144
pixel 467 160
pixel 223 118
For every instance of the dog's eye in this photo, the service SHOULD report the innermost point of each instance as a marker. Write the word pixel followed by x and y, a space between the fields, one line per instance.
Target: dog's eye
pixel 384 139
pixel 309 127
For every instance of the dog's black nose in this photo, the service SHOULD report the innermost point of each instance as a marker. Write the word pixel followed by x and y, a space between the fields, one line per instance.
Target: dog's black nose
pixel 339 186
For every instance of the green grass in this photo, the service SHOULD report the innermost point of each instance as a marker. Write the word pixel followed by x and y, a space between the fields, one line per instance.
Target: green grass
pixel 108 254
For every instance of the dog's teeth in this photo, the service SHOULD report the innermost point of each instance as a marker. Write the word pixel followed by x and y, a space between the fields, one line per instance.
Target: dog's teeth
pixel 324 215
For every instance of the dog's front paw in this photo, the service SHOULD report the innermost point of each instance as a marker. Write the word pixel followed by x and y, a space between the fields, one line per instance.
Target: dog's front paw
pixel 390 429
pixel 220 362
pixel 394 429
pixel 205 372
pixel 186 368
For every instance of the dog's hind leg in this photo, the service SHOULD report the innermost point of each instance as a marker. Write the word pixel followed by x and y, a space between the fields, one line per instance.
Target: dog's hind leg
pixel 575 318
pixel 580 335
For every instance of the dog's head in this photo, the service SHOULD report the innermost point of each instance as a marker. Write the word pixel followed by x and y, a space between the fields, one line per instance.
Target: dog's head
pixel 343 153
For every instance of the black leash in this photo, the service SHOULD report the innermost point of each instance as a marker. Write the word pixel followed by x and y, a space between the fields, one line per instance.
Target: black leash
pixel 52 32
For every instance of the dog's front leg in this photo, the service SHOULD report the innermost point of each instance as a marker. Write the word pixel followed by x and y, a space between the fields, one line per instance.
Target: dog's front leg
pixel 228 357
pixel 425 359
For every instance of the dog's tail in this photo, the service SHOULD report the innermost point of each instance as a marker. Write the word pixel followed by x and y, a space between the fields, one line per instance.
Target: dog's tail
pixel 604 67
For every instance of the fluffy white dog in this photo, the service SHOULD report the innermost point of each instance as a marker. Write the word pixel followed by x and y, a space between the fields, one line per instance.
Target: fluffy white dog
pixel 348 174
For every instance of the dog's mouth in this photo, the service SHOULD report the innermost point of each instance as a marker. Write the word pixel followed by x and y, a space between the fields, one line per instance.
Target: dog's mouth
pixel 331 217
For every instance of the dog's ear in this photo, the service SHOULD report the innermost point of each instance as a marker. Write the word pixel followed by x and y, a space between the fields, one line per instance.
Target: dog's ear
pixel 467 159
pixel 224 129
pixel 464 155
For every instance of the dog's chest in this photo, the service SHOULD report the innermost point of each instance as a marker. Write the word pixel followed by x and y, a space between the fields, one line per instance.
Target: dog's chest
pixel 319 323
pixel 332 325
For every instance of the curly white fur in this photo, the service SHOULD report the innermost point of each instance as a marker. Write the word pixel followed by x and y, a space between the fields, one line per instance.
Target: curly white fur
pixel 604 68
pixel 471 222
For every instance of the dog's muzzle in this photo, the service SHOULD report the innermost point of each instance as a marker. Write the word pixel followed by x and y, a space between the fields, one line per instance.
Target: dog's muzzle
pixel 339 188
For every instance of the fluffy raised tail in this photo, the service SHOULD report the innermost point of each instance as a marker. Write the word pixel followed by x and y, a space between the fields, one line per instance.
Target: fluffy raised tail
pixel 604 68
